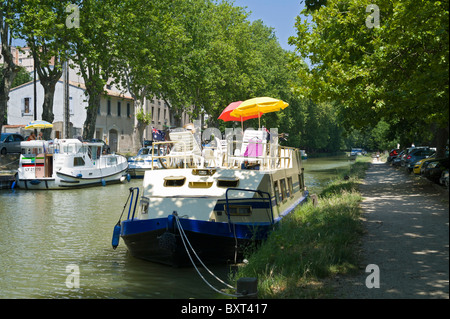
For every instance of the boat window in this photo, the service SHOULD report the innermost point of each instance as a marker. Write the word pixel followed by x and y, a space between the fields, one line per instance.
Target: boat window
pixel 203 172
pixel 290 186
pixel 144 204
pixel 78 161
pixel 277 193
pixel 174 181
pixel 283 189
pixel 240 210
pixel 228 182
pixel 112 160
pixel 300 181
pixel 34 150
pixel 200 184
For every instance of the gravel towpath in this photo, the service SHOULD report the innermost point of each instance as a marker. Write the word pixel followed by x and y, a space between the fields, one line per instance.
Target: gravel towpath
pixel 407 236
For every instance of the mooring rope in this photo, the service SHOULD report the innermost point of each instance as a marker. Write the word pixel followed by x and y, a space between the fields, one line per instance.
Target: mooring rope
pixel 183 238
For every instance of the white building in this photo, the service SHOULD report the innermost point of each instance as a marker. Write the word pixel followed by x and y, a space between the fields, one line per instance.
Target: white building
pixel 114 126
pixel 21 56
pixel 115 117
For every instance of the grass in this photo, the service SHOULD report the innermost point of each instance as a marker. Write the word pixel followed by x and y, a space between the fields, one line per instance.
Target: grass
pixel 312 245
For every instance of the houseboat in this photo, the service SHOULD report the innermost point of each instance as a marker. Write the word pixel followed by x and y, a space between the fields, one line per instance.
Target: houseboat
pixel 212 212
pixel 68 163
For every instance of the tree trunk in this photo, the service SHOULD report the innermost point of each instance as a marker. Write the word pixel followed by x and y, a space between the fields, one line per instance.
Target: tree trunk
pixel 9 69
pixel 91 116
pixel 441 141
pixel 138 133
pixel 49 84
pixel 5 86
pixel 139 125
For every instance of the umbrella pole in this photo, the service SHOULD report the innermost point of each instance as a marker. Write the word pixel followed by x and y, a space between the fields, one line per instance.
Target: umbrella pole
pixel 259 119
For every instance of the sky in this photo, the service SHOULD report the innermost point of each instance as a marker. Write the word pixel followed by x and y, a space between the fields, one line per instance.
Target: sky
pixel 278 14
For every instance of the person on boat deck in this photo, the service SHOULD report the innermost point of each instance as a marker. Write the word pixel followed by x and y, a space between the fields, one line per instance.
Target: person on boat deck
pixel 40 136
pixel 32 137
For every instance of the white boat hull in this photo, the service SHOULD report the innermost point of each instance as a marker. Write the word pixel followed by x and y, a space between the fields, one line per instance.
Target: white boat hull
pixel 62 181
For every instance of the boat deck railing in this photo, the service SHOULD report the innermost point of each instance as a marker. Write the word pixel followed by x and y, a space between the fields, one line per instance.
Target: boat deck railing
pixel 270 156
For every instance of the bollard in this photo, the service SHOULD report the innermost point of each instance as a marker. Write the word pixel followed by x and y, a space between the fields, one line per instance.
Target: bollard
pixel 247 287
pixel 314 199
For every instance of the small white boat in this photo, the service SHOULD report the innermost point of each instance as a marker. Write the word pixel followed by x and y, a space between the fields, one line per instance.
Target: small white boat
pixel 68 163
pixel 143 161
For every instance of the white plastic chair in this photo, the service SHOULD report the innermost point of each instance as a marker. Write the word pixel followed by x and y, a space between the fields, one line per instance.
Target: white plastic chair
pixel 185 147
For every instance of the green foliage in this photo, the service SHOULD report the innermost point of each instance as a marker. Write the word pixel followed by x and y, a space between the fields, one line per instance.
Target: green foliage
pixel 144 118
pixel 397 72
pixel 22 77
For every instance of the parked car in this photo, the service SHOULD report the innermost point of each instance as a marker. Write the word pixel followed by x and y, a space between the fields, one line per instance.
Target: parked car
pixel 10 143
pixel 397 161
pixel 435 168
pixel 415 155
pixel 419 164
pixel 106 147
pixel 411 150
pixel 357 151
pixel 444 178
pixel 393 154
pixel 427 161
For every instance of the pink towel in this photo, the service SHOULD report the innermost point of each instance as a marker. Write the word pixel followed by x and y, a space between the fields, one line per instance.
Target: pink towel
pixel 254 148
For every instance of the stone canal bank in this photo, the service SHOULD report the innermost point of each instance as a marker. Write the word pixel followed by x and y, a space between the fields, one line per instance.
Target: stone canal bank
pixel 406 241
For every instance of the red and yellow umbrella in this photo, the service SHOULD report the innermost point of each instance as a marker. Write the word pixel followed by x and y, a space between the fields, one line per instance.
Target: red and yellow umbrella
pixel 226 114
pixel 258 106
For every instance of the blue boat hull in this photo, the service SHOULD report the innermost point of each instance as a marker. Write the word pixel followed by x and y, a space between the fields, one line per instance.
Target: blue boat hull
pixel 159 240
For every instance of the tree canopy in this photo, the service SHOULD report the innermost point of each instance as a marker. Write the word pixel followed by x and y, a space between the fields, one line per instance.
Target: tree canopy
pixel 377 74
pixel 395 70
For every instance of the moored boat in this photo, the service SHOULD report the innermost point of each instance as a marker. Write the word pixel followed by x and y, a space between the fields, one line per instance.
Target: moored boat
pixel 68 163
pixel 143 161
pixel 303 154
pixel 212 212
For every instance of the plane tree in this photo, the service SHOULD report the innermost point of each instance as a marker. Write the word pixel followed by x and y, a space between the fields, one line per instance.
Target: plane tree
pixel 388 61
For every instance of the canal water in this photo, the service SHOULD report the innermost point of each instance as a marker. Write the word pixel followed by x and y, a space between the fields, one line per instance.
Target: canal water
pixel 57 244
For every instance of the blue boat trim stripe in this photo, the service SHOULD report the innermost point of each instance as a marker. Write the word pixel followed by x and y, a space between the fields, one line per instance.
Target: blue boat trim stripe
pixel 243 230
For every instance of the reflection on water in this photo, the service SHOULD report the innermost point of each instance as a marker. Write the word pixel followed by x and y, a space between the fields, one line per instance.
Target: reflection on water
pixel 43 232
pixel 320 171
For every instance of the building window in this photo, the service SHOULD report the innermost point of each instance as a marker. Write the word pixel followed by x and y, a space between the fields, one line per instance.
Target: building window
pixel 26 105
pixel 128 110
pixel 108 108
pixel 71 112
pixel 119 109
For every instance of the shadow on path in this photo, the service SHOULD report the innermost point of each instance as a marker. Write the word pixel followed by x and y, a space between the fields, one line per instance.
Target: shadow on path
pixel 407 237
